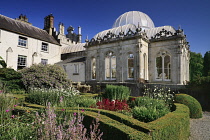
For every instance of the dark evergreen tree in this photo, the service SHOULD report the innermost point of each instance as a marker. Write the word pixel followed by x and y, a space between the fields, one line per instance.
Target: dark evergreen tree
pixel 2 63
pixel 206 64
pixel 196 65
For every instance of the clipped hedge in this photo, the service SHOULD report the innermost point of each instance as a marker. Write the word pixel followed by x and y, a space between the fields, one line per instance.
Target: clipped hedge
pixel 192 103
pixel 114 130
pixel 111 128
pixel 114 125
pixel 173 126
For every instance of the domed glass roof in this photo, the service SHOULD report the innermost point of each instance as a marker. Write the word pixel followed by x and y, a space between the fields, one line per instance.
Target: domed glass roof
pixel 134 17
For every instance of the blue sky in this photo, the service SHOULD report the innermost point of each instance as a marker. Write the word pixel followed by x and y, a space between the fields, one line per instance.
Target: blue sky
pixel 97 15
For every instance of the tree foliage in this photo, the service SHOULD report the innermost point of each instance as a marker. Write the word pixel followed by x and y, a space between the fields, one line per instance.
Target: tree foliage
pixel 44 76
pixel 196 65
pixel 2 63
pixel 206 64
pixel 11 79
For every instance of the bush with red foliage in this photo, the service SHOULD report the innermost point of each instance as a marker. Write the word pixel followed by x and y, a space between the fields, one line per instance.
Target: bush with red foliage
pixel 113 105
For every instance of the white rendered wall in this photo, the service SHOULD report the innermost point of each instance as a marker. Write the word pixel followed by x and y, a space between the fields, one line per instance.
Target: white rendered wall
pixel 9 40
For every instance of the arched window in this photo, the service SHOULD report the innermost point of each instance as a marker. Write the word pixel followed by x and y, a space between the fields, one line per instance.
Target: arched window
pixel 130 65
pixel 163 67
pixel 93 68
pixel 110 66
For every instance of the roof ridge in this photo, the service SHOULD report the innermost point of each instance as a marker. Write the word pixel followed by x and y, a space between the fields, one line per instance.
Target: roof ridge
pixel 21 22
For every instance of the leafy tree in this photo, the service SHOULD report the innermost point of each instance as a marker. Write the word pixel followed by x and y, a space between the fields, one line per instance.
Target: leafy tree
pixel 2 63
pixel 206 64
pixel 11 79
pixel 44 76
pixel 196 65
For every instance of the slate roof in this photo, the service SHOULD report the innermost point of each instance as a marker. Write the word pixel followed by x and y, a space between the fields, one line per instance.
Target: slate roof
pixel 73 48
pixel 72 60
pixel 25 29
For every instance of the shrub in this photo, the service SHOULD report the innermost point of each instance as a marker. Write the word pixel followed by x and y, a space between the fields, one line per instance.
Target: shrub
pixel 44 76
pixel 55 96
pixel 50 128
pixel 113 92
pixel 10 79
pixel 149 109
pixel 192 103
pixel 2 63
pixel 160 93
pixel 60 97
pixel 113 105
pixel 83 101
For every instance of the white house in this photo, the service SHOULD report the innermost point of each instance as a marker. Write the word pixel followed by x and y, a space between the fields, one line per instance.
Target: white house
pixel 22 44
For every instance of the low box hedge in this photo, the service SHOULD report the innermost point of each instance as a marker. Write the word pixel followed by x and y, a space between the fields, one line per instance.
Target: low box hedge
pixel 173 126
pixel 114 125
pixel 192 103
pixel 113 129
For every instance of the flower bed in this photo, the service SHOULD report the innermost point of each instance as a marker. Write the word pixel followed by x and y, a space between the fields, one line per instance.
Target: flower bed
pixel 174 125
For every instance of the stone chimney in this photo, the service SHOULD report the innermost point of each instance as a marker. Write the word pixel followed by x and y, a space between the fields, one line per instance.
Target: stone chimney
pixel 61 28
pixel 23 18
pixel 79 35
pixel 49 24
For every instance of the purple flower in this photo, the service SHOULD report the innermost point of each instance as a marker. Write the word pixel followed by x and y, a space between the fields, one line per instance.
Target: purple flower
pixel 62 109
pixel 61 99
pixel 15 105
pixel 7 110
pixel 82 110
pixel 75 113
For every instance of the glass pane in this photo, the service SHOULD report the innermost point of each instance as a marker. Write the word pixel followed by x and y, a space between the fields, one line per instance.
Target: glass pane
pixel 130 66
pixel 107 67
pixel 159 74
pixel 131 72
pixel 93 68
pixel 113 63
pixel 167 65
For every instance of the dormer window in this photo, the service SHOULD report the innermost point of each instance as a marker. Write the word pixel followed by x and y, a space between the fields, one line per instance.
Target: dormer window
pixel 44 47
pixel 22 41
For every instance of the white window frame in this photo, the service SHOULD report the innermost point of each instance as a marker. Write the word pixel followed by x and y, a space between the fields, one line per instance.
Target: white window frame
pixel 110 56
pixel 45 47
pixel 130 78
pixel 93 68
pixel 22 61
pixel 163 54
pixel 76 69
pixel 22 42
pixel 44 61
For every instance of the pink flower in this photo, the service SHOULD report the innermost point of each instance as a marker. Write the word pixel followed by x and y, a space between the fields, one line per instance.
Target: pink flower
pixel 62 109
pixel 61 99
pixel 75 113
pixel 15 105
pixel 7 110
pixel 13 116
pixel 82 110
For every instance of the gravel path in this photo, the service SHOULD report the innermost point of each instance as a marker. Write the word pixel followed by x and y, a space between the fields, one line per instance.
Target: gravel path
pixel 200 128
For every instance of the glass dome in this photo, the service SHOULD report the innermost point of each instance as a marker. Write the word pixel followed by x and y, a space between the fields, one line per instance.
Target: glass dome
pixel 134 17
